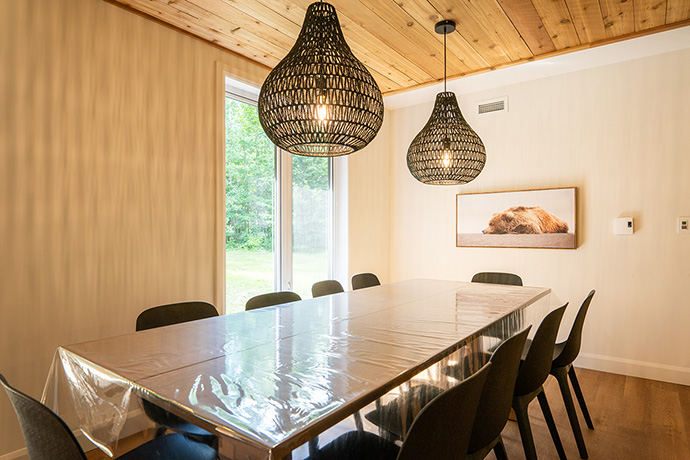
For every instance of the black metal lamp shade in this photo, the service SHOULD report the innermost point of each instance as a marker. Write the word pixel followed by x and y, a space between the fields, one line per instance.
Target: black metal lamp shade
pixel 320 100
pixel 446 151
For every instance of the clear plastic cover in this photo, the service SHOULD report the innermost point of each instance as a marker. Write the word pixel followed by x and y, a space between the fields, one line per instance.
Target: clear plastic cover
pixel 285 379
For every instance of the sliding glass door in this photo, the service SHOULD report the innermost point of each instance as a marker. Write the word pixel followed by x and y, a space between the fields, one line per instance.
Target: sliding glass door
pixel 278 211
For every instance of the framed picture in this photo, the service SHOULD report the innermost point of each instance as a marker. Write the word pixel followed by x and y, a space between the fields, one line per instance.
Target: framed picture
pixel 521 219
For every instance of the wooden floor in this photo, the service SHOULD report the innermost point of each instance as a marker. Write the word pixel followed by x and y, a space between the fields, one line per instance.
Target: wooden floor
pixel 634 419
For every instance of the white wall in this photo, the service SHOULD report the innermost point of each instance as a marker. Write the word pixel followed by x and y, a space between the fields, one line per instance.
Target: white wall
pixel 620 133
pixel 369 206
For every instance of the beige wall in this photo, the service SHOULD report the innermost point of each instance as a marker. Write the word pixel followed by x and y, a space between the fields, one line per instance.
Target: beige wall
pixel 619 133
pixel 107 169
pixel 368 203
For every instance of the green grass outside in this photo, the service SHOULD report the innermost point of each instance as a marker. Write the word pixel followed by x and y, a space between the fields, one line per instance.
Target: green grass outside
pixel 250 272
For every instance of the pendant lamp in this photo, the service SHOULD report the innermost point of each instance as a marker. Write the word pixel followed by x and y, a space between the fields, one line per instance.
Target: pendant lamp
pixel 320 100
pixel 446 151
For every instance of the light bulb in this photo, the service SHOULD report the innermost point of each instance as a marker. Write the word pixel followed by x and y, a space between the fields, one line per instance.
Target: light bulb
pixel 322 108
pixel 446 153
pixel 446 158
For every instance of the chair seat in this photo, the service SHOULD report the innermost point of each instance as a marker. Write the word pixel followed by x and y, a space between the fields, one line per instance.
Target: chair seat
pixel 171 447
pixel 173 422
pixel 357 445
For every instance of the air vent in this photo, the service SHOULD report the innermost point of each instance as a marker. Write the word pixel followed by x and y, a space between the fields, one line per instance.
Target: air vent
pixel 494 105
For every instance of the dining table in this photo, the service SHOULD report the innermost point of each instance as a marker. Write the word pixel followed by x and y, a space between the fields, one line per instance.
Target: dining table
pixel 273 383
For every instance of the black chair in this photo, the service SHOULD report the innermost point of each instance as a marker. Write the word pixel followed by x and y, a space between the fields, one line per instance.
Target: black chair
pixel 441 430
pixel 166 315
pixel 497 396
pixel 494 406
pixel 47 436
pixel 270 299
pixel 364 280
pixel 175 313
pixel 497 278
pixel 534 370
pixel 564 354
pixel 326 287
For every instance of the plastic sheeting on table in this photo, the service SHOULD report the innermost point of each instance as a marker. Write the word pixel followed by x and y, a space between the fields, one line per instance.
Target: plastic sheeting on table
pixel 268 381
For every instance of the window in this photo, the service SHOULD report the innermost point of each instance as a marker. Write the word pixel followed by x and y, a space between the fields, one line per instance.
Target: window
pixel 278 209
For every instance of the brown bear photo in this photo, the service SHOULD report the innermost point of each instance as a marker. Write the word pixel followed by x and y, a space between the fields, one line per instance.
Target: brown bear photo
pixel 525 220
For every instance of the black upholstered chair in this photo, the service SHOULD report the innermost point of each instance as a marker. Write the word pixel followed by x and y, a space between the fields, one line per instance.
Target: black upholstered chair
pixel 562 367
pixel 441 430
pixel 270 299
pixel 166 315
pixel 47 436
pixel 364 280
pixel 497 278
pixel 534 371
pixel 326 287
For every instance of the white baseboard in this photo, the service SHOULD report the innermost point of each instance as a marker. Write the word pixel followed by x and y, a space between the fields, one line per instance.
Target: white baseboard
pixel 16 455
pixel 135 423
pixel 634 368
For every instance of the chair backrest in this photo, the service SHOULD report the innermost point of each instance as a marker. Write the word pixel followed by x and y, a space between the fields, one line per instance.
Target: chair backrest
pixel 443 427
pixel 497 395
pixel 47 437
pixel 537 364
pixel 364 280
pixel 326 287
pixel 497 278
pixel 270 299
pixel 572 345
pixel 165 315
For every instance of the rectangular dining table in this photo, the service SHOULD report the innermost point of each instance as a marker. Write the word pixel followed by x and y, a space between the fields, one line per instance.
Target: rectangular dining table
pixel 268 381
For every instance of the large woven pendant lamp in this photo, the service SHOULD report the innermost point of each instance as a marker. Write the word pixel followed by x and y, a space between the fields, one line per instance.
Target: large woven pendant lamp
pixel 446 151
pixel 320 100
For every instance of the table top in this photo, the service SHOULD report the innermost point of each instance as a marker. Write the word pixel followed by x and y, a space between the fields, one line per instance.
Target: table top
pixel 275 377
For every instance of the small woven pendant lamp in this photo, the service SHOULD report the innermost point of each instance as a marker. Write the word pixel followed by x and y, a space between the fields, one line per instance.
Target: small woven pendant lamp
pixel 446 151
pixel 320 100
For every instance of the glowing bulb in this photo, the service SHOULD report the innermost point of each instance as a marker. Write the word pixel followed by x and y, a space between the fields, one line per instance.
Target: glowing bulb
pixel 322 108
pixel 446 158
pixel 446 153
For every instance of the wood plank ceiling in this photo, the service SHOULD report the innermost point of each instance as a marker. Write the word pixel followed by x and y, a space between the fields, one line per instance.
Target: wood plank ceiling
pixel 395 39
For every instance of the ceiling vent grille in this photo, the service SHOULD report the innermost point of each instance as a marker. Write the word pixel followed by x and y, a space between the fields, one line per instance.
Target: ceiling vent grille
pixel 494 105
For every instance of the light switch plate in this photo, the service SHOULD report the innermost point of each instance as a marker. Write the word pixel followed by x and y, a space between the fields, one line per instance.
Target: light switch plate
pixel 684 225
pixel 623 226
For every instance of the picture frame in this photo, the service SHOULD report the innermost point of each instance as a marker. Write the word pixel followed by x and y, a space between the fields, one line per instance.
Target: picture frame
pixel 539 218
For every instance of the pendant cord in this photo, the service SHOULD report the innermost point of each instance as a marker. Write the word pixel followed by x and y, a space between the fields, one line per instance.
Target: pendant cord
pixel 444 62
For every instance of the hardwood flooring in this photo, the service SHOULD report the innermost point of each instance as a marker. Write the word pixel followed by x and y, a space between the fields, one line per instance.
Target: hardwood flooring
pixel 634 419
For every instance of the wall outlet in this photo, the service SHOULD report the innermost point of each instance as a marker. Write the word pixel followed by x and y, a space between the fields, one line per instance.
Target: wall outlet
pixel 623 226
pixel 684 225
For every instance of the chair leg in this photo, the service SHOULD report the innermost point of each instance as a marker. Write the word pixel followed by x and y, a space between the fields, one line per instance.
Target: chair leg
pixel 358 421
pixel 313 446
pixel 546 410
pixel 520 406
pixel 580 397
pixel 160 431
pixel 500 450
pixel 561 375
